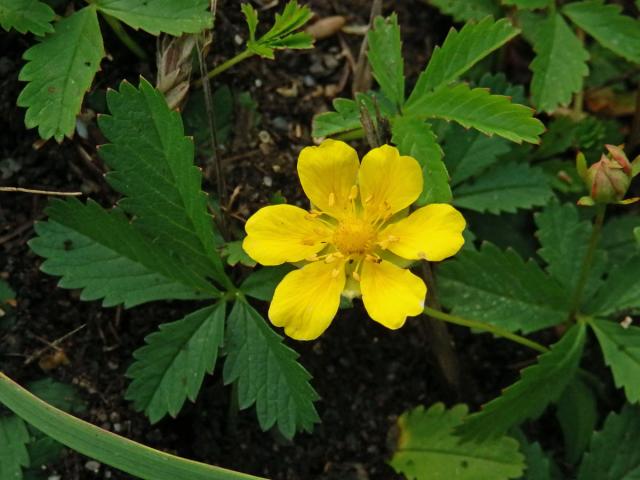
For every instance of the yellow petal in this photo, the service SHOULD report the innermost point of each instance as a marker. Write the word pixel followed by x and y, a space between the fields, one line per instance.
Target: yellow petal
pixel 306 300
pixel 390 293
pixel 388 181
pixel 284 233
pixel 433 232
pixel 327 174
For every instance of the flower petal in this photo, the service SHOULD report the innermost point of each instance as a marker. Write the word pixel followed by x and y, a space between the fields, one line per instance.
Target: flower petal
pixel 327 174
pixel 283 233
pixel 433 232
pixel 388 181
pixel 306 300
pixel 390 293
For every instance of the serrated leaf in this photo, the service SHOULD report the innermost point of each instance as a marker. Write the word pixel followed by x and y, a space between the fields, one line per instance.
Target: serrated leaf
pixel 267 374
pixel 605 22
pixel 618 239
pixel 171 367
pixel 539 465
pixel 560 64
pixel 14 438
pixel 428 449
pixel 564 240
pixel 234 254
pixel 59 71
pixel 504 188
pixel 577 414
pixel 160 16
pixel 461 51
pixel 105 256
pixel 621 349
pixel 262 283
pixel 251 16
pixel 469 152
pixel 345 118
pixel 152 162
pixel 26 16
pixel 415 137
pixel 497 83
pixel 620 291
pixel 614 453
pixel 528 4
pixel 500 288
pixel 538 386
pixel 477 108
pixel 385 57
pixel 465 10
pixel 60 395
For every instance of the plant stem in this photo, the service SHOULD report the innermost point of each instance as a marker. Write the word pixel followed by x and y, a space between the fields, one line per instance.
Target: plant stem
pixel 486 327
pixel 124 37
pixel 225 66
pixel 587 261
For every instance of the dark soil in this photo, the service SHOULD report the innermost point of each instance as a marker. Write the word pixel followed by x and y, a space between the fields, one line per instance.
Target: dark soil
pixel 365 374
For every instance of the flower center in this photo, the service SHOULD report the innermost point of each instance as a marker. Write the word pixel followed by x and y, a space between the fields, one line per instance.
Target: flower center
pixel 354 236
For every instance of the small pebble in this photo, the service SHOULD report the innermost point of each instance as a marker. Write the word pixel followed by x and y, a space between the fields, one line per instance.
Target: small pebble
pixel 92 466
pixel 257 82
pixel 309 81
pixel 238 39
pixel 267 180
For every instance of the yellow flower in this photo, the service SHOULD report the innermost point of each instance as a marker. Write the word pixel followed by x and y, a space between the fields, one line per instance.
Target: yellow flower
pixel 353 240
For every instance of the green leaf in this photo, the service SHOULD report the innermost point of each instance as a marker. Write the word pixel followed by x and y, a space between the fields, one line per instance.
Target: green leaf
pixel 106 447
pixel 539 385
pixel 414 137
pixel 504 188
pixel 618 239
pixel 539 465
pixel 171 366
pixel 385 57
pixel 620 291
pixel 60 395
pixel 267 374
pixel 500 288
pixel 428 449
pixel 621 349
pixel 528 4
pixel 251 16
pixel 577 414
pixel 346 118
pixel 559 66
pixel 14 438
pixel 465 10
pixel 614 451
pixel 153 167
pixel 461 51
pixel 26 16
pixel 235 254
pixel 605 22
pixel 60 70
pixel 564 241
pixel 477 108
pixel 262 283
pixel 196 117
pixel 469 152
pixel 160 16
pixel 105 256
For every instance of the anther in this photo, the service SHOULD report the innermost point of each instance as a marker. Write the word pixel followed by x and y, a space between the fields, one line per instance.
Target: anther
pixel 335 272
pixel 368 199
pixel 356 276
pixel 353 194
pixel 330 258
pixel 332 199
pixel 312 258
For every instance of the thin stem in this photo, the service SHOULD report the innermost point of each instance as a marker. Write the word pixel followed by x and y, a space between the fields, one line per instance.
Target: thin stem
pixel 486 327
pixel 124 37
pixel 40 192
pixel 587 261
pixel 225 66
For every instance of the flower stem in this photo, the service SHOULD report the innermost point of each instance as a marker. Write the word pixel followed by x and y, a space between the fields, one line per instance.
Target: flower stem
pixel 225 66
pixel 486 327
pixel 124 37
pixel 587 261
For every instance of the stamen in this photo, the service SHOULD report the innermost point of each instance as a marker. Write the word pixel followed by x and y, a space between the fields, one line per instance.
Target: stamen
pixel 332 199
pixel 353 194
pixel 368 199
pixel 312 258
pixel 330 258
pixel 356 276
pixel 308 241
pixel 335 272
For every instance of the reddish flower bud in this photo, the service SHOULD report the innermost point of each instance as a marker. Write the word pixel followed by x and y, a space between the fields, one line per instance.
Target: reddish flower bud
pixel 608 181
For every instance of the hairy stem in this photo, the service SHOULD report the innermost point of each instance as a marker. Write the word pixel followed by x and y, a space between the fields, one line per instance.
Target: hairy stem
pixel 485 327
pixel 587 261
pixel 225 66
pixel 124 37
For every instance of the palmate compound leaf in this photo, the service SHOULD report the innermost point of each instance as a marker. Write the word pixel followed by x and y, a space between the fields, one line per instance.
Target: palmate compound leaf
pixel 171 367
pixel 103 254
pixel 465 10
pixel 619 292
pixel 539 385
pixel 504 188
pixel 564 240
pixel 614 452
pixel 385 57
pixel 26 16
pixel 621 349
pixel 428 449
pixel 605 22
pixel 461 51
pixel 415 137
pixel 559 66
pixel 152 162
pixel 477 108
pixel 267 373
pixel 502 289
pixel 14 438
pixel 59 71
pixel 160 16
